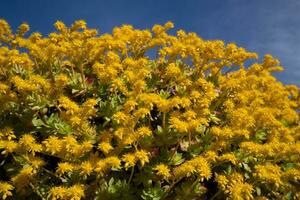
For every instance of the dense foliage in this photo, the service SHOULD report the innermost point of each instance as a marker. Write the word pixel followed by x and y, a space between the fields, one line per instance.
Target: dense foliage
pixel 142 114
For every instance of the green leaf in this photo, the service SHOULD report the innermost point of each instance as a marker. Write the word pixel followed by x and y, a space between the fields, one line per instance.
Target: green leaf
pixel 195 150
pixel 56 125
pixel 258 191
pixel 200 129
pixel 246 167
pixel 159 129
pixel 38 123
pixel 164 94
pixel 261 136
pixel 154 193
pixel 184 145
pixel 229 169
pixel 177 159
pixel 214 119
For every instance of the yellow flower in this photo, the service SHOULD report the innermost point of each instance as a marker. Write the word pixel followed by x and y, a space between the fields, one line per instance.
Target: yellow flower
pixel 3 88
pixel 129 159
pixel 7 133
pixel 70 143
pixel 53 145
pixel 202 167
pixel 64 168
pixel 129 105
pixel 86 146
pixel 121 117
pixel 79 24
pixel 141 113
pixel 23 85
pixel 28 142
pixel 139 86
pixel 39 80
pixel 144 131
pixel 59 25
pixel 210 156
pixel 292 174
pixel 228 157
pixel 185 169
pixel 76 192
pixel 5 189
pixel 163 105
pixel 101 167
pixel 87 108
pixel 4 27
pixel 86 168
pixel 23 178
pixel 178 124
pixel 119 133
pixel 142 156
pixel 185 102
pixel 61 80
pixel 37 162
pixel 169 25
pixel 197 165
pixel 69 105
pixel 241 118
pixel 8 146
pixel 110 162
pixel 189 115
pixel 157 29
pixel 162 170
pixel 173 71
pixel 240 191
pixel 113 161
pixel 23 28
pixel 269 173
pixel 222 181
pixel 58 192
pixel 105 147
pixel 75 121
pixel 216 131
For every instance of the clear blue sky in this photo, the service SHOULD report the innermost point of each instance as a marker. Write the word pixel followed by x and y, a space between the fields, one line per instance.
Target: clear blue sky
pixel 263 26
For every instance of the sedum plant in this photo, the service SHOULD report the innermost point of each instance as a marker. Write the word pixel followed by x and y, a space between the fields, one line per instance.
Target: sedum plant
pixel 142 114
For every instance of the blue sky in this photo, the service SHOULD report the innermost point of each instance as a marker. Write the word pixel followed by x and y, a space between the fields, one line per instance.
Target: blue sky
pixel 263 26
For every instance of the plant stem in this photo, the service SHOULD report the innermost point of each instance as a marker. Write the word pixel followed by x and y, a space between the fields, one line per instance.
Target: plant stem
pixel 215 195
pixel 36 191
pixel 177 146
pixel 169 189
pixel 131 175
pixel 195 182
pixel 53 174
pixel 164 120
pixel 82 76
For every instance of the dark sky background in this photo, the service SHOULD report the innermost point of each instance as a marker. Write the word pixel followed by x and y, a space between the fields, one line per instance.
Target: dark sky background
pixel 263 26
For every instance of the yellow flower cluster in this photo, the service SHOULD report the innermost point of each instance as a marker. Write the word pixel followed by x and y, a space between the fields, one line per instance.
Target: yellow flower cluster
pixel 197 165
pixel 269 173
pixel 5 189
pixel 67 147
pixel 235 186
pixel 23 179
pixel 75 192
pixel 105 164
pixel 83 115
pixel 163 170
pixel 77 116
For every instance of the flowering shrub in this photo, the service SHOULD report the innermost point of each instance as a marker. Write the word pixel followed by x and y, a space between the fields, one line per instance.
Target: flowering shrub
pixel 140 114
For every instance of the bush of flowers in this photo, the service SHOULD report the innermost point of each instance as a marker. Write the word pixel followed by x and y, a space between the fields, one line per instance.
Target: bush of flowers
pixel 143 114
